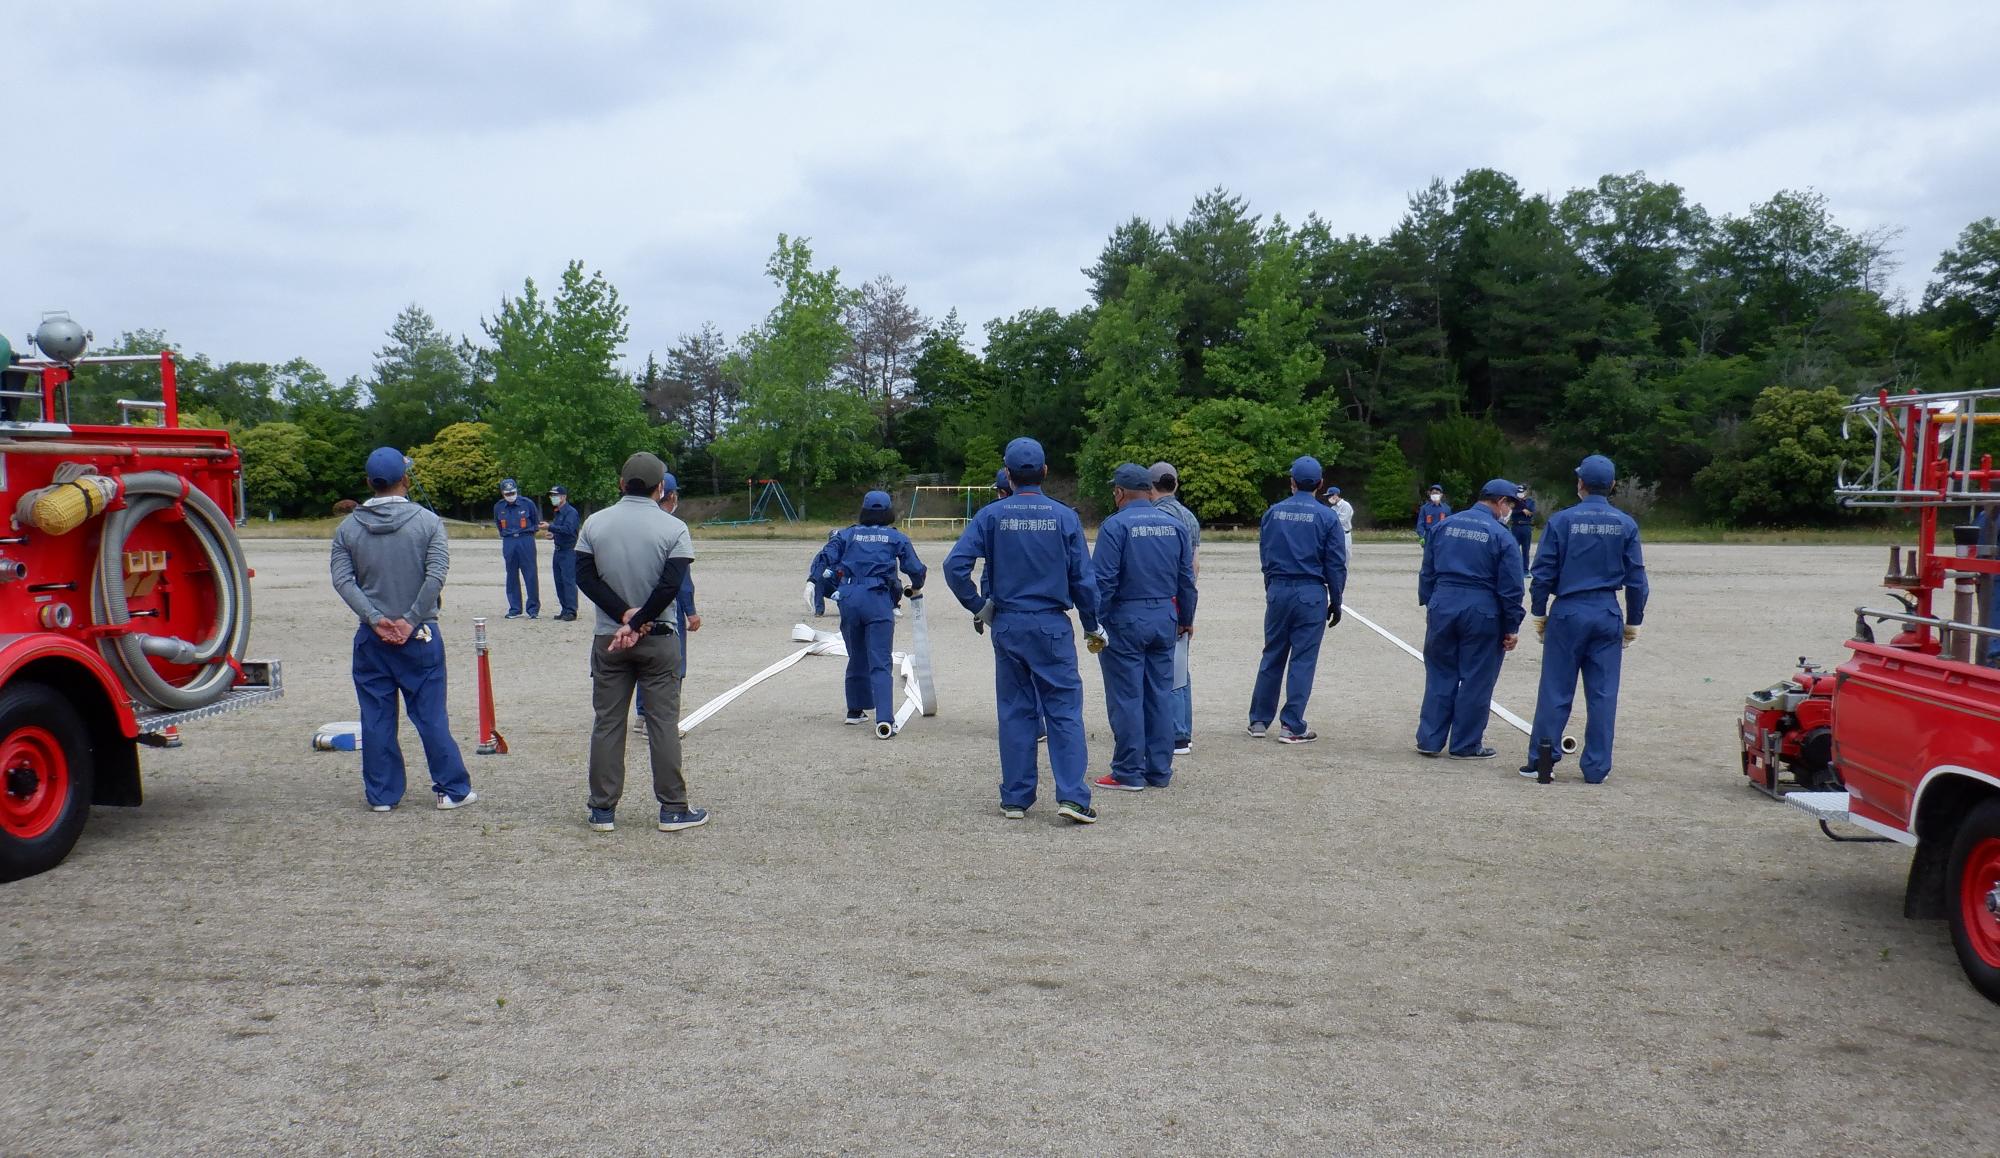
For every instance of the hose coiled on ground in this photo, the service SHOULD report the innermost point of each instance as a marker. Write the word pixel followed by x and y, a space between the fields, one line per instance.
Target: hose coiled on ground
pixel 146 493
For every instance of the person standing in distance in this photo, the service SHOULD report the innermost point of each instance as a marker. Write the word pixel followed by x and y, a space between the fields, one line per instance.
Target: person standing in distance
pixel 1144 568
pixel 1037 568
pixel 863 560
pixel 562 525
pixel 1522 523
pixel 1002 487
pixel 1470 582
pixel 1304 559
pixel 1166 487
pixel 1345 510
pixel 1434 512
pixel 518 518
pixel 389 562
pixel 631 560
pixel 1588 552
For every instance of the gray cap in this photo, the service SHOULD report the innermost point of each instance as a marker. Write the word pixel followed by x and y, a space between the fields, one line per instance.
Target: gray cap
pixel 644 467
pixel 1164 472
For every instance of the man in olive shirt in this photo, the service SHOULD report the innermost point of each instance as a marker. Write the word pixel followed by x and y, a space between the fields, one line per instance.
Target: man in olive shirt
pixel 632 560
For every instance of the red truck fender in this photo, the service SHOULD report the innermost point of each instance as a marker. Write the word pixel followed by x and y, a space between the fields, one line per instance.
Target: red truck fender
pixel 77 671
pixel 1944 797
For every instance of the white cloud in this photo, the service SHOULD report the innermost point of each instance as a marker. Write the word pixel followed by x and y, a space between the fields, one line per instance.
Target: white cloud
pixel 270 179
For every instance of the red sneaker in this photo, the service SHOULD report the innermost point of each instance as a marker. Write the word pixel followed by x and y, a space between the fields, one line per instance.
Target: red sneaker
pixel 1116 785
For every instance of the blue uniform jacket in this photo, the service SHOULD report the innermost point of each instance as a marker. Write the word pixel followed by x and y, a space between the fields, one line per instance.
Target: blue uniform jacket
pixel 1035 556
pixel 1524 514
pixel 517 517
pixel 563 526
pixel 868 558
pixel 1429 516
pixel 1472 551
pixel 816 572
pixel 1144 552
pixel 1592 546
pixel 1300 541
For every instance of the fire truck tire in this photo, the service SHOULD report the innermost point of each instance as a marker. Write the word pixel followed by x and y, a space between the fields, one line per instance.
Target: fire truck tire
pixel 1974 911
pixel 45 779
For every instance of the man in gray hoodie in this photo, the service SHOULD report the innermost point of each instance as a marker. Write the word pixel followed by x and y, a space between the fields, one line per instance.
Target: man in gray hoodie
pixel 389 564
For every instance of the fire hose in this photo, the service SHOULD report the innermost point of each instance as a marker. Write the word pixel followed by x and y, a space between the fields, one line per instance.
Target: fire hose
pixel 129 654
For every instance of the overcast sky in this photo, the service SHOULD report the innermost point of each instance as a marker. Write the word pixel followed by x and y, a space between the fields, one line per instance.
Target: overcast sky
pixel 270 179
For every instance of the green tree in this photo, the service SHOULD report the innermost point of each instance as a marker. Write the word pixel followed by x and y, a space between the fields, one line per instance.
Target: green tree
pixel 1461 453
pixel 1788 459
pixel 797 422
pixel 276 476
pixel 1965 294
pixel 457 469
pixel 1136 377
pixel 1038 367
pixel 1392 487
pixel 421 383
pixel 562 412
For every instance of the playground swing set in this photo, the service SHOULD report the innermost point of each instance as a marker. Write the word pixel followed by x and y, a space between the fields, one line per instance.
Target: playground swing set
pixel 761 504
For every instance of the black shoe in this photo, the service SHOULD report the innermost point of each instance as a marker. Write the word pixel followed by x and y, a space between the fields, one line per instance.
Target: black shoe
pixel 1433 753
pixel 856 718
pixel 1475 754
pixel 1076 813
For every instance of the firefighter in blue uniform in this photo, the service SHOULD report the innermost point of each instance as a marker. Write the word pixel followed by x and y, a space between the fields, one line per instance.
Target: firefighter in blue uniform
pixel 1002 487
pixel 815 594
pixel 1588 552
pixel 562 525
pixel 1434 511
pixel 1471 583
pixel 862 561
pixel 1304 557
pixel 518 519
pixel 1522 523
pixel 1037 568
pixel 1144 568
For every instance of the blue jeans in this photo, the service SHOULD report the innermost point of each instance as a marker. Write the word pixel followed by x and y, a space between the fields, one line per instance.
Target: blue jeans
pixel 1294 625
pixel 519 555
pixel 562 561
pixel 1184 705
pixel 415 671
pixel 1138 667
pixel 1034 660
pixel 1461 664
pixel 1585 637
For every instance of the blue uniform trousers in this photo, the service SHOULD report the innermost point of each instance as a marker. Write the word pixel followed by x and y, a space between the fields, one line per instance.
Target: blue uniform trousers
pixel 1461 664
pixel 1586 636
pixel 416 672
pixel 1294 625
pixel 1524 534
pixel 868 628
pixel 562 561
pixel 519 554
pixel 1138 667
pixel 1035 676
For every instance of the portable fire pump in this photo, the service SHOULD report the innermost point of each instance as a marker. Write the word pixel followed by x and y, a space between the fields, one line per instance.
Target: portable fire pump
pixel 124 595
pixel 1903 739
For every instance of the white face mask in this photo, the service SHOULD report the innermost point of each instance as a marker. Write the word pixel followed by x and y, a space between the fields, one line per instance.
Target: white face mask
pixel 558 500
pixel 1437 496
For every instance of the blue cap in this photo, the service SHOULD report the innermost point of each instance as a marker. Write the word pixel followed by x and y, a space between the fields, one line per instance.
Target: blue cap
pixel 1132 477
pixel 386 466
pixel 1498 488
pixel 875 501
pixel 1435 487
pixel 1596 471
pixel 669 484
pixel 1333 490
pixel 559 490
pixel 1001 482
pixel 507 484
pixel 1306 471
pixel 1025 454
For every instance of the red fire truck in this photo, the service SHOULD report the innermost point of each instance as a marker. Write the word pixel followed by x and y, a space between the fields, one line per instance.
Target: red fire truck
pixel 124 595
pixel 1903 739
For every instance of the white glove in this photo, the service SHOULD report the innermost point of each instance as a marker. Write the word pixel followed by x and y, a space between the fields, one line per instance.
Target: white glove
pixel 809 598
pixel 1542 628
pixel 1096 641
pixel 982 617
pixel 1631 634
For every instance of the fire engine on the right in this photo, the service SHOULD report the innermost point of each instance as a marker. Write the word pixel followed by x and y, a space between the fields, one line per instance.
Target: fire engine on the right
pixel 1903 739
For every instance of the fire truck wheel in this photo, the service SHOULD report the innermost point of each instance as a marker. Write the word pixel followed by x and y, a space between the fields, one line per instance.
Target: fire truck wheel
pixel 1975 915
pixel 45 779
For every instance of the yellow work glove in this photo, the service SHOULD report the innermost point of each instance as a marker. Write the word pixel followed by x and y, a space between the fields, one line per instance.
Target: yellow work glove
pixel 1541 627
pixel 1631 634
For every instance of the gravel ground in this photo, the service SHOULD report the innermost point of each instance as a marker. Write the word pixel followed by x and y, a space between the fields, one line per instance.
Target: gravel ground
pixel 1340 947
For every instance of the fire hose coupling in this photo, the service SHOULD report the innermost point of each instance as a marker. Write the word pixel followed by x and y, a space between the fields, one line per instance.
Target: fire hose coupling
pixel 167 647
pixel 12 569
pixel 57 616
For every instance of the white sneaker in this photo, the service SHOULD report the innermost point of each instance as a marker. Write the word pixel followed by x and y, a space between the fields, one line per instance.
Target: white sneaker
pixel 381 808
pixel 1183 749
pixel 446 803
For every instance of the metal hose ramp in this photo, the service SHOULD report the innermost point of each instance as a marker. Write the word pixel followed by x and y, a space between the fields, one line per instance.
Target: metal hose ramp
pixel 129 654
